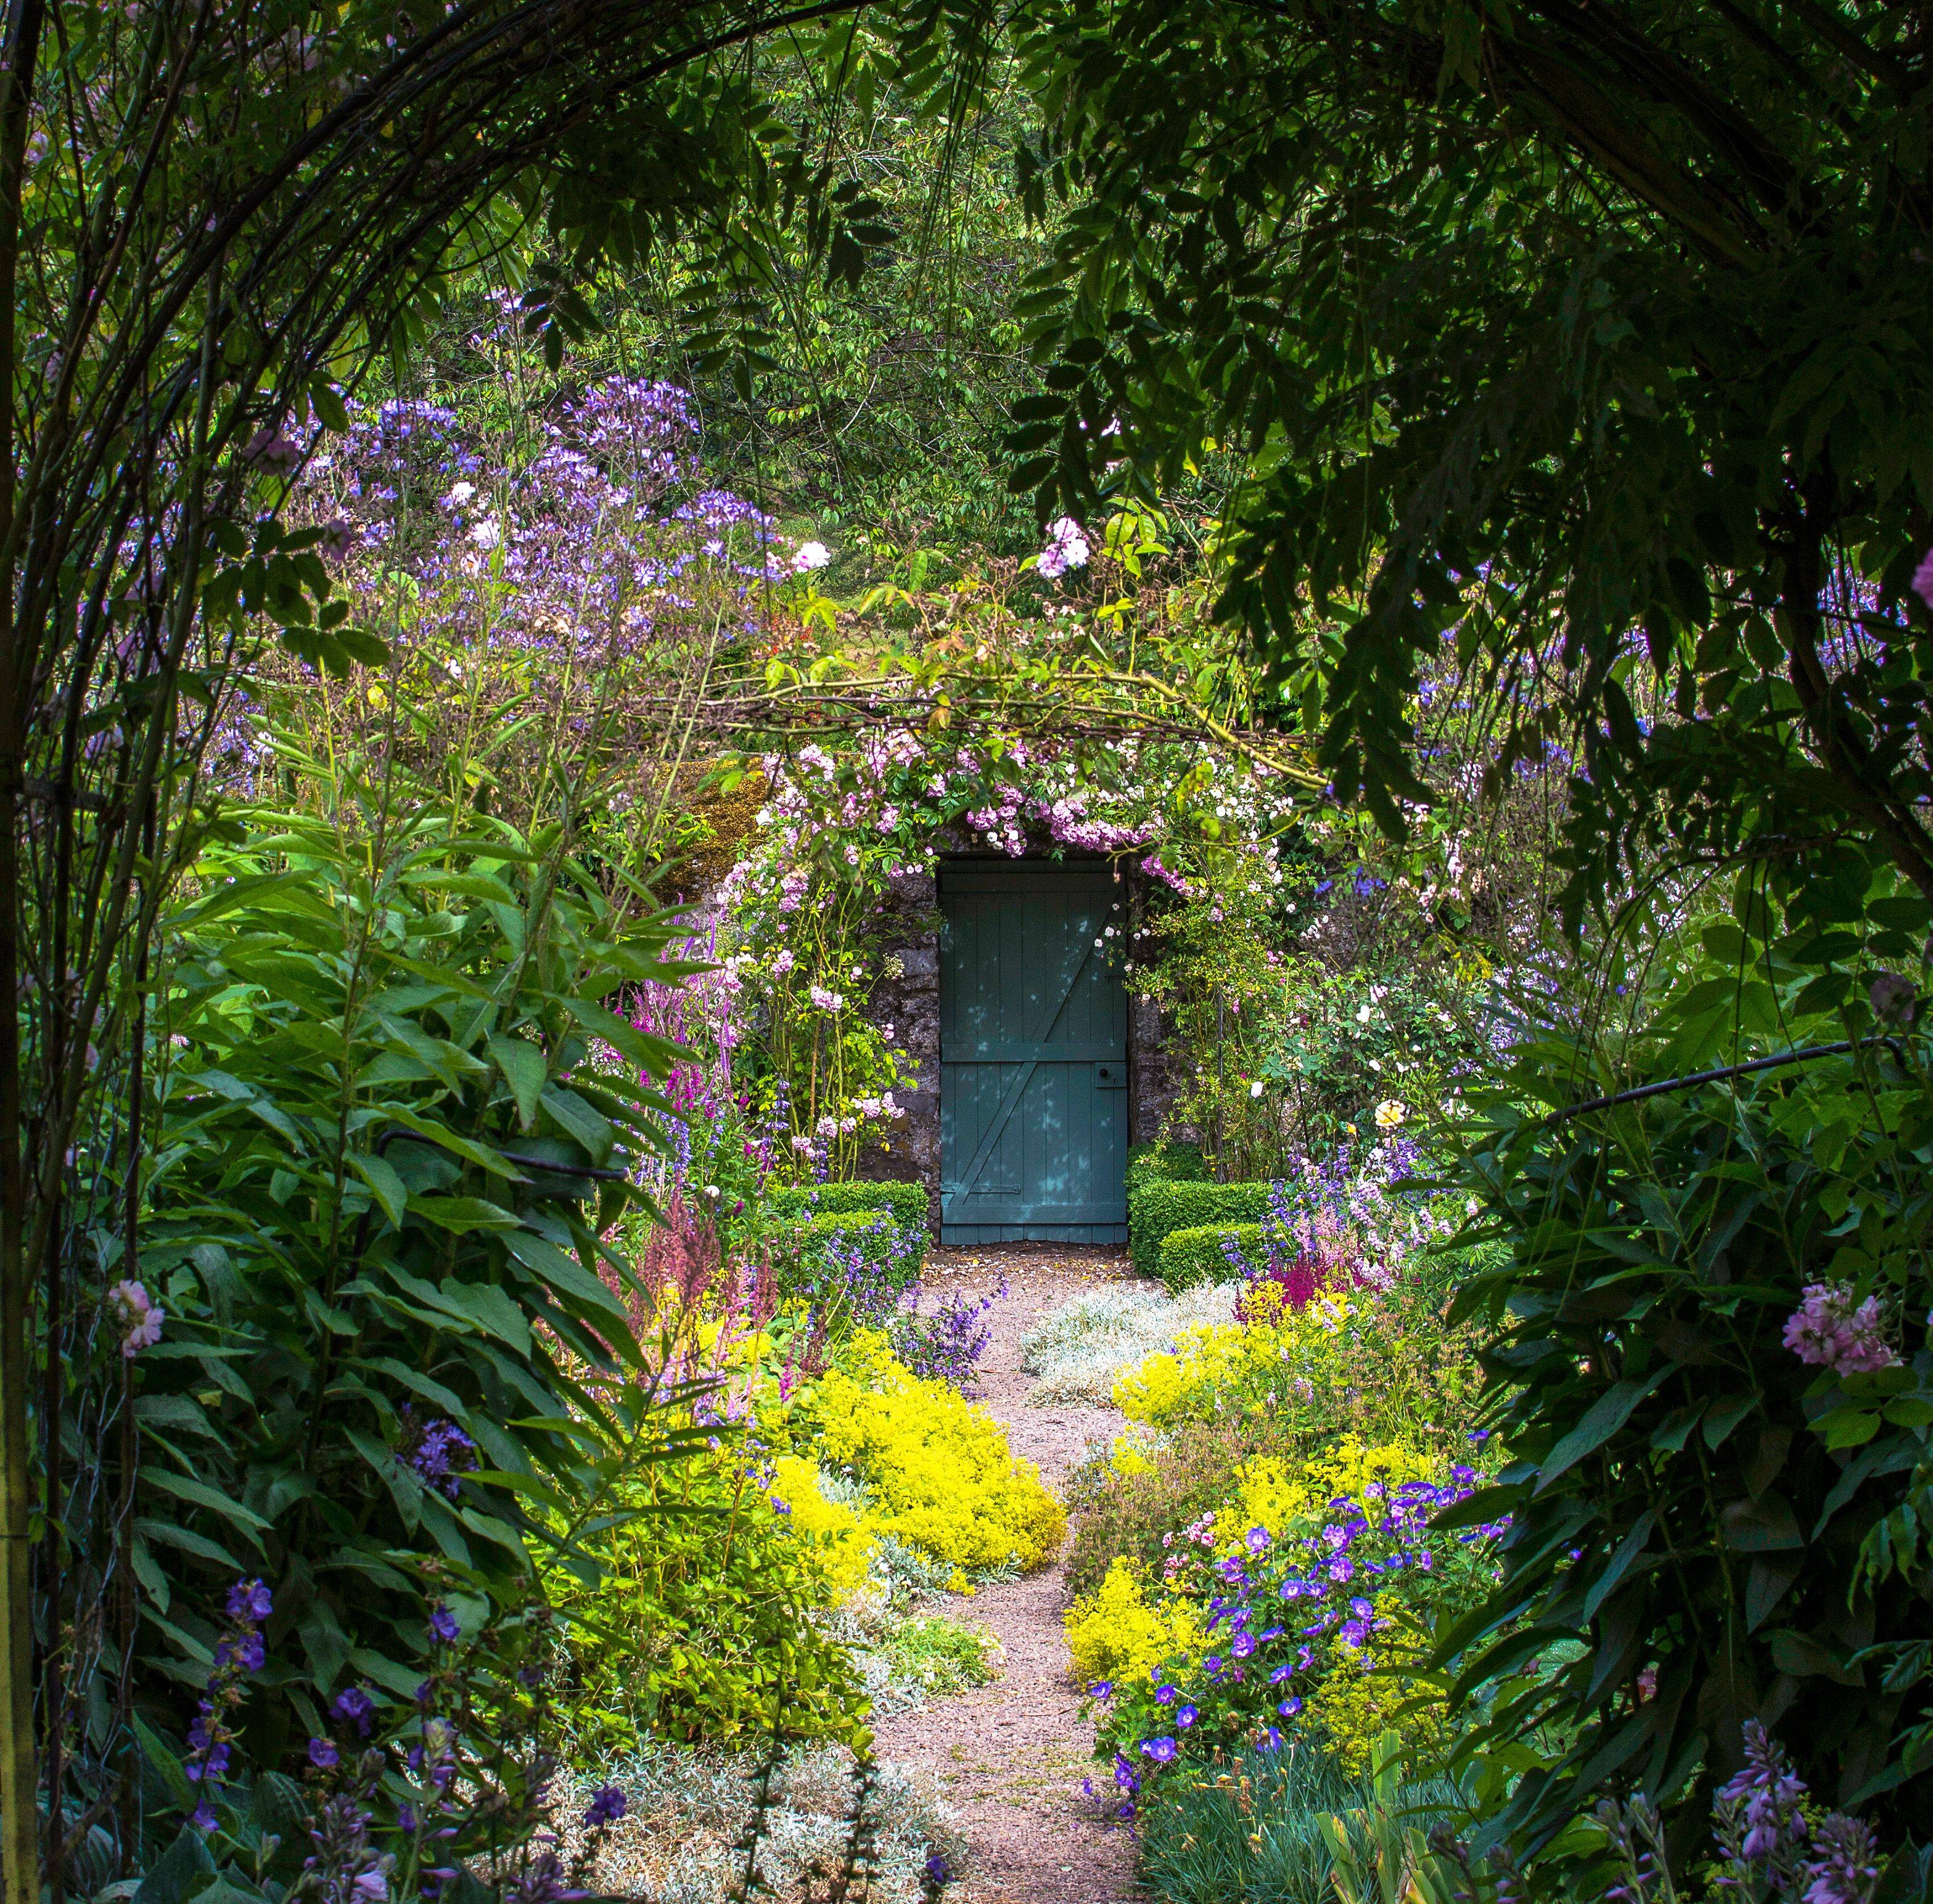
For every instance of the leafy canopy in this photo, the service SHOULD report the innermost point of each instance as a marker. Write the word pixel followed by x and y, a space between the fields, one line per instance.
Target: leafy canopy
pixel 1597 334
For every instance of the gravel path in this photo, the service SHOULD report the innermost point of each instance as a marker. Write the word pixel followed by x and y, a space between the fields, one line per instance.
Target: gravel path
pixel 1009 1758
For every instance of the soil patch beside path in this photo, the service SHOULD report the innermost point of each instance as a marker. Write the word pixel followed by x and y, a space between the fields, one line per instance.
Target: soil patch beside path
pixel 1009 1758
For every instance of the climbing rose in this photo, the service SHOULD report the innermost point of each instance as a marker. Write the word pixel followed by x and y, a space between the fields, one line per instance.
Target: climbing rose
pixel 1827 1331
pixel 1066 548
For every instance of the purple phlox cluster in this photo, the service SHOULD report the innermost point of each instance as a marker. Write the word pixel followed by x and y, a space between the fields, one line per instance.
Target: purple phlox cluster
pixel 238 1653
pixel 1830 1330
pixel 135 1315
pixel 438 1452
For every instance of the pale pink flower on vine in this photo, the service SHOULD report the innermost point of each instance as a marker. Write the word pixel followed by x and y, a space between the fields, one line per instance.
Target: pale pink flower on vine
pixel 1828 1330
pixel 1922 578
pixel 826 1001
pixel 1066 548
pixel 784 963
pixel 138 1317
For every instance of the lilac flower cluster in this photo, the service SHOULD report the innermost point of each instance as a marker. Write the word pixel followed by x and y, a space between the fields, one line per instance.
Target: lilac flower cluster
pixel 1770 1848
pixel 1829 1330
pixel 137 1317
pixel 239 1652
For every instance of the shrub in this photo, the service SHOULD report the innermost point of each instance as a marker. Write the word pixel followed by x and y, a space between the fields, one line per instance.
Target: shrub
pixel 912 1208
pixel 712 1601
pixel 1201 1254
pixel 380 1312
pixel 1156 1208
pixel 1078 1349
pixel 847 1542
pixel 1138 1506
pixel 1167 1162
pixel 937 1467
pixel 817 1257
pixel 1117 1633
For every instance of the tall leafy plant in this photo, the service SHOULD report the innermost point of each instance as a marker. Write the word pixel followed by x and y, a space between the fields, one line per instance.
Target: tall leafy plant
pixel 395 1115
pixel 1715 1371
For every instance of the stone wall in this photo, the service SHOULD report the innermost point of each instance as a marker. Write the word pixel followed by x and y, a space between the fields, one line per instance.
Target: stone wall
pixel 907 998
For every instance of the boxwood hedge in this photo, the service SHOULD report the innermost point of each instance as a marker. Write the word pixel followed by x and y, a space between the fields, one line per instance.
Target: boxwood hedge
pixel 1156 1209
pixel 907 1202
pixel 1190 1256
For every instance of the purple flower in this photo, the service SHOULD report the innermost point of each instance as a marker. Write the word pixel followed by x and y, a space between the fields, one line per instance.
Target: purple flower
pixel 1271 1740
pixel 1258 1539
pixel 607 1806
pixel 1212 1663
pixel 322 1754
pixel 442 1622
pixel 1124 1772
pixel 1242 1647
pixel 354 1706
pixel 1280 1674
pixel 1164 1695
pixel 1363 1609
pixel 1290 1707
pixel 937 1869
pixel 1184 1717
pixel 1161 1750
pixel 1102 1689
pixel 250 1599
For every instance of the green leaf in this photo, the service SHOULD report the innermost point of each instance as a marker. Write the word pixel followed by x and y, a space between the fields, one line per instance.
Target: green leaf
pixel 525 1070
pixel 1606 1416
pixel 197 1494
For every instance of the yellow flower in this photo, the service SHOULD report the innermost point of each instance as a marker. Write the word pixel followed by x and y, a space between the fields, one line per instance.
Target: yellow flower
pixel 939 1467
pixel 848 1539
pixel 1390 1113
pixel 1116 1633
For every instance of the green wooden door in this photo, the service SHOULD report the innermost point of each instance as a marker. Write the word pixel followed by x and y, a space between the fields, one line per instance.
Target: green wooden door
pixel 1033 1049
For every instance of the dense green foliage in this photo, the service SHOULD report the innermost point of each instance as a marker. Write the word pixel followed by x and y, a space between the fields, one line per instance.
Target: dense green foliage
pixel 1730 1512
pixel 1156 1209
pixel 1596 333
pixel 373 1217
pixel 1197 1255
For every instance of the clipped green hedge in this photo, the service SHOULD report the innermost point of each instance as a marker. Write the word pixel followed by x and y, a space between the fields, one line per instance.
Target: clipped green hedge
pixel 1168 1162
pixel 911 1210
pixel 1155 1209
pixel 1190 1256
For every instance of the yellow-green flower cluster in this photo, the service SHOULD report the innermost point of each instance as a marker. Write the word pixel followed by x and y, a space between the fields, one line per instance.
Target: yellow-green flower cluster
pixel 938 1467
